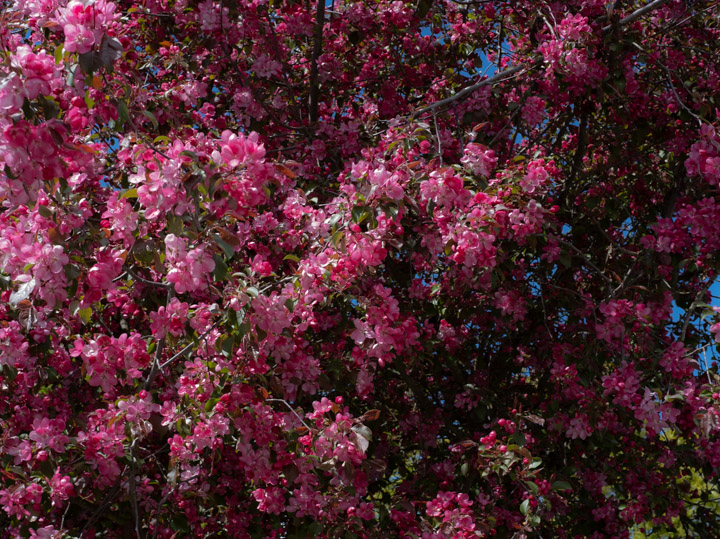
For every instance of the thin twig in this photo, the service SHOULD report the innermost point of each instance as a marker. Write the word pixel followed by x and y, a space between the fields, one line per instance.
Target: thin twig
pixel 291 409
pixel 673 89
pixel 133 489
pixel 160 504
pixel 136 277
pixel 504 127
pixel 158 352
pixel 109 497
pixel 437 135
pixel 189 346
pixel 156 365
pixel 582 255
pixel 706 366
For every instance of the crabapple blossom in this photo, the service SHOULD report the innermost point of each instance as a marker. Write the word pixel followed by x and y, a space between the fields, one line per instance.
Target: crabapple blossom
pixel 402 269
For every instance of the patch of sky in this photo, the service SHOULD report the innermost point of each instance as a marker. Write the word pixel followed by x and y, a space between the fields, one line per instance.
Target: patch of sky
pixel 700 320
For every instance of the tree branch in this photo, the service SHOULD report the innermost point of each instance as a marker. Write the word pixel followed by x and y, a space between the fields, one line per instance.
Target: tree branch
pixel 537 60
pixel 317 50
pixel 136 277
pixel 470 89
pixel 691 309
pixel 635 15
pixel 584 258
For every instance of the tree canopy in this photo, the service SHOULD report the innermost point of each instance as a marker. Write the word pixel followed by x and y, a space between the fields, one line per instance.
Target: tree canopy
pixel 359 268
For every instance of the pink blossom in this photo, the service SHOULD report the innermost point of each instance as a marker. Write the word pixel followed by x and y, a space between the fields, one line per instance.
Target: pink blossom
pixel 533 112
pixel 11 95
pixel 479 159
pixel 271 500
pixel 62 488
pixel 239 149
pixel 40 72
pixel 170 319
pixel 189 270
pixel 108 266
pixel 78 38
pixel 46 532
pixel 579 427
pixel 210 16
pixel 265 67
pixel 574 28
pixel 535 177
pixel 47 433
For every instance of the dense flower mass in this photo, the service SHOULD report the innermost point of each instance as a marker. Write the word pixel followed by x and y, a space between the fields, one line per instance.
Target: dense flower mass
pixel 409 268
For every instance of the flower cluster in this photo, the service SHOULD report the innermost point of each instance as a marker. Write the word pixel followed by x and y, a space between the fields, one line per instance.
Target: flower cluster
pixel 265 271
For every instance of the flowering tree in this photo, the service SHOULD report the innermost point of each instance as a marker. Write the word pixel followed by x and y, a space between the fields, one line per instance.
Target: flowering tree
pixel 359 269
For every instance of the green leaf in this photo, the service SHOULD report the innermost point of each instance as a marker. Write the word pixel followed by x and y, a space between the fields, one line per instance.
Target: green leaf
pixel 123 112
pixel 337 238
pixel 517 438
pixel 225 246
pixel 390 211
pixel 110 51
pixel 152 118
pixel 243 329
pixel 174 224
pixel 59 51
pixel 72 289
pixel 28 110
pixel 85 314
pixel 532 487
pixel 23 292
pixel 423 8
pixel 359 214
pixel 9 173
pixel 130 193
pixel 291 257
pixel 180 524
pixel 536 463
pixel 221 269
pixel 334 219
pixel 190 154
pixel 228 346
pixel 252 291
pixel 88 62
pixel 525 507
pixel 393 145
pixel 9 371
pixel 89 101
pixel 261 334
pixel 71 75
pixel 210 404
pixel 51 110
pixel 561 485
